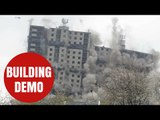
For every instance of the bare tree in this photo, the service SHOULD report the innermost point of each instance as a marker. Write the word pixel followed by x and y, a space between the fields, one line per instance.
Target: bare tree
pixel 59 99
pixel 154 87
pixel 126 87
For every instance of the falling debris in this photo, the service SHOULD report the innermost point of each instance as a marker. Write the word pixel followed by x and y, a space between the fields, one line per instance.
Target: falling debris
pixel 17 17
pixel 81 21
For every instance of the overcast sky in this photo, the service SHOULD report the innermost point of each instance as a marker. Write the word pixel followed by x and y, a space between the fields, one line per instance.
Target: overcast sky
pixel 142 32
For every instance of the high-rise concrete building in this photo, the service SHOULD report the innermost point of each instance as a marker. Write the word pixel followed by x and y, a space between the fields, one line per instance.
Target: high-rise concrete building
pixel 66 50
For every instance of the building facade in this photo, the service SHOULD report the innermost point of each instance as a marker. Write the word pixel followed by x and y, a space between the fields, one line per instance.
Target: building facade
pixel 66 50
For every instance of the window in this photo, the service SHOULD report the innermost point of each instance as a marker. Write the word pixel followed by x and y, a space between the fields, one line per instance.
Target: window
pixel 97 48
pixel 100 65
pixel 50 59
pixel 52 39
pixel 81 33
pixel 50 54
pixel 79 52
pixel 69 42
pixel 62 55
pixel 75 38
pixel 60 78
pixel 34 30
pixel 74 42
pixel 50 49
pixel 61 73
pixel 73 57
pixel 77 81
pixel 34 35
pixel 102 48
pixel 79 57
pixel 52 30
pixel 32 44
pixel 72 80
pixel 78 62
pixel 74 52
pixel 72 75
pixel 78 76
pixel 72 66
pixel 75 33
pixel 72 85
pixel 62 50
pixel 70 32
pixel 80 43
pixel 73 62
pixel 67 56
pixel 80 38
pixel 64 31
pixel 52 34
pixel 61 60
pixel 68 51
